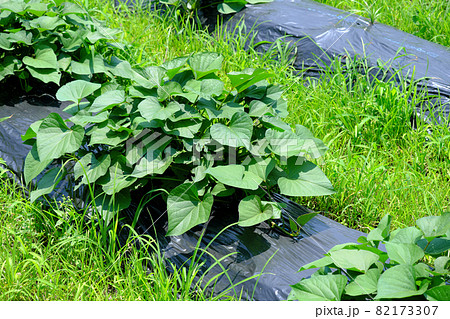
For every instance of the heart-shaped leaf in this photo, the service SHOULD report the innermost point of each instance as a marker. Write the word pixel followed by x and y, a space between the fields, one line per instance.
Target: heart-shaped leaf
pixel 404 253
pixel 107 100
pixel 358 260
pixel 436 246
pixel 89 66
pixel 253 212
pixel 305 180
pixel 174 66
pixel 185 209
pixel 230 7
pixel 319 288
pixel 45 59
pixel 442 265
pixel 76 90
pixel 237 133
pixel 55 139
pixel 117 180
pixel 409 235
pixel 398 282
pixel 364 284
pixel 152 109
pixel 434 226
pixel 235 175
pixel 203 64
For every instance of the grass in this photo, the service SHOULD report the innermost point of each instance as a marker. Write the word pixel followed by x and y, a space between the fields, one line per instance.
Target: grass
pixel 378 164
pixel 53 255
pixel 427 19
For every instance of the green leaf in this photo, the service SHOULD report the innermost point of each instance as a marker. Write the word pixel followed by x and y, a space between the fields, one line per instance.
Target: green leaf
pixel 154 162
pixel 237 133
pixel 221 190
pixel 434 226
pixel 409 235
pixel 260 167
pixel 72 40
pixel 55 139
pixel 319 288
pixel 103 134
pixel 205 88
pixel 275 123
pixel 442 265
pixel 436 246
pixel 152 109
pixel 248 77
pixel 305 180
pixel 107 100
pixel 322 262
pixel 235 175
pixel 174 66
pixel 404 253
pixel 184 128
pixel 21 37
pixel 5 44
pixel 398 282
pixel 117 180
pixel 230 7
pixel 421 270
pixel 18 7
pixel 258 108
pixel 84 117
pixel 440 293
pixel 76 90
pixel 358 260
pixel 253 212
pixel 8 66
pixel 47 183
pixel 185 209
pixel 45 75
pixel 364 284
pixel 168 90
pixel 382 231
pixel 45 59
pixel 44 23
pixel 71 8
pixel 151 77
pixel 90 168
pixel 226 111
pixel 288 143
pixel 33 166
pixel 89 66
pixel 305 218
pixel 203 64
pixel 276 207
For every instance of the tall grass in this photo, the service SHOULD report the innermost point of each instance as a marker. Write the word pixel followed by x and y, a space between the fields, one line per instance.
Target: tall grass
pixel 56 255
